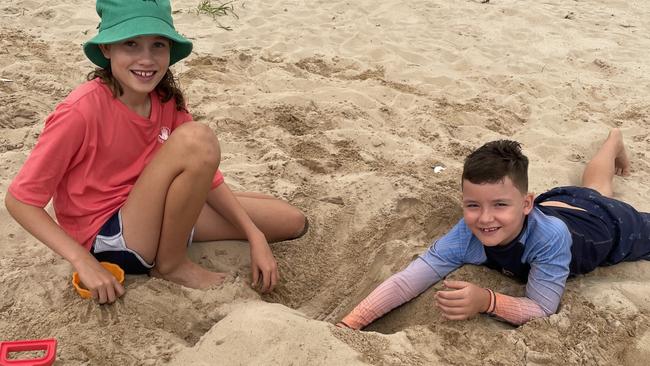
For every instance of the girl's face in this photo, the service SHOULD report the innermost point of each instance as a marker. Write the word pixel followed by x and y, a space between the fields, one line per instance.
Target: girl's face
pixel 138 64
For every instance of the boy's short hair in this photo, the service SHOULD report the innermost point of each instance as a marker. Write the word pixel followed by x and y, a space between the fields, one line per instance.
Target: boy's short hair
pixel 494 161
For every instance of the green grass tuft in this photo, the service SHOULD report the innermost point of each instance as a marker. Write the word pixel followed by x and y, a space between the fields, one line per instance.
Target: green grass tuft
pixel 217 10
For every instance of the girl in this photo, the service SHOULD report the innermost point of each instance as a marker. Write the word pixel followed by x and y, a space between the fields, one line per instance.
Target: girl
pixel 133 179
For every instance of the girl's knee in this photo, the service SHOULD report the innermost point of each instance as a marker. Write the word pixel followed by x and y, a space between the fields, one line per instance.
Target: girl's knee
pixel 197 143
pixel 298 223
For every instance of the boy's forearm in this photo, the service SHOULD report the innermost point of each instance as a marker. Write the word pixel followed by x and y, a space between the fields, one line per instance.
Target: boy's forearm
pixel 514 310
pixel 396 290
pixel 380 301
pixel 41 225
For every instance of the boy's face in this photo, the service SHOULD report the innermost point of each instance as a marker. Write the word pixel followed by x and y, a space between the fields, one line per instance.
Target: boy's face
pixel 495 212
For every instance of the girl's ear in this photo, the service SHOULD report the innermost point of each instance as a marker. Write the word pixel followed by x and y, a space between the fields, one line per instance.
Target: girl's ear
pixel 529 200
pixel 105 48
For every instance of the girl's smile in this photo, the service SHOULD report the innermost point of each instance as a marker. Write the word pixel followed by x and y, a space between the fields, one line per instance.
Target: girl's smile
pixel 144 75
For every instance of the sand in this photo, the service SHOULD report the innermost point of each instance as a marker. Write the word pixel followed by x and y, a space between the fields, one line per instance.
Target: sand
pixel 344 108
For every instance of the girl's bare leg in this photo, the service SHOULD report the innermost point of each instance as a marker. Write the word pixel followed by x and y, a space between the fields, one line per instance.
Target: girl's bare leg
pixel 277 219
pixel 166 200
pixel 610 159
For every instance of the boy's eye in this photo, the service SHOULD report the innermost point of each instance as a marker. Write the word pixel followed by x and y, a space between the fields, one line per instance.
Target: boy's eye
pixel 501 204
pixel 129 43
pixel 160 44
pixel 471 205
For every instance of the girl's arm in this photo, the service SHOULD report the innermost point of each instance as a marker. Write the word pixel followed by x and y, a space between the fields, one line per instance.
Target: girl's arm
pixel 103 286
pixel 263 264
pixel 395 291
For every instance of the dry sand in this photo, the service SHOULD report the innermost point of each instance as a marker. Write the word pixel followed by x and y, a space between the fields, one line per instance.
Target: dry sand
pixel 343 108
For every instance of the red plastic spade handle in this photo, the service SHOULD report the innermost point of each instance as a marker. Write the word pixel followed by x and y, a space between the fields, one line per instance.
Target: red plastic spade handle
pixel 47 345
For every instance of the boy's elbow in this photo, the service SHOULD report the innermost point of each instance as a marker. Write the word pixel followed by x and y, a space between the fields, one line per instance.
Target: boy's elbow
pixel 549 312
pixel 546 310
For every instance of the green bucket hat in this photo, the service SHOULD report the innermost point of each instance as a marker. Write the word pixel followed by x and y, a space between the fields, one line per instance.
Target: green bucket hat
pixel 124 19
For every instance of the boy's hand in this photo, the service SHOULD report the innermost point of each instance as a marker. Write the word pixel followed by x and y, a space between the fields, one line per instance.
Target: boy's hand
pixel 263 265
pixel 99 281
pixel 463 302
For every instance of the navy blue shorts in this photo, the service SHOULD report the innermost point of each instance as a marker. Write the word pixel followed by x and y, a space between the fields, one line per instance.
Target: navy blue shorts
pixel 109 246
pixel 609 231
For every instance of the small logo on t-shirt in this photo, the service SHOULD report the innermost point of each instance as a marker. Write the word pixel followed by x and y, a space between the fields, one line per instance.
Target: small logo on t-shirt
pixel 164 134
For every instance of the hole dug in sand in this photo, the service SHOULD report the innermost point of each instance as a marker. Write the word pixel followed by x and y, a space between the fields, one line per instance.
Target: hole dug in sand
pixel 344 255
pixel 348 253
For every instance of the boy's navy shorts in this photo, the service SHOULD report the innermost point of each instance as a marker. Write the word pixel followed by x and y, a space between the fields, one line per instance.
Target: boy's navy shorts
pixel 609 231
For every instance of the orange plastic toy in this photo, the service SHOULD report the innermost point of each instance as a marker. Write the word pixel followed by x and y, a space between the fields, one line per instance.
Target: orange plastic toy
pixel 113 268
pixel 47 345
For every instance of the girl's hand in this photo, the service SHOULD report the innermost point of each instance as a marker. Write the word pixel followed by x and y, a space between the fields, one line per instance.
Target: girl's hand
pixel 465 301
pixel 263 264
pixel 99 281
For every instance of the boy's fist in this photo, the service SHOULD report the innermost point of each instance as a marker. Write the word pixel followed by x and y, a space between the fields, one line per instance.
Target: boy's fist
pixel 462 301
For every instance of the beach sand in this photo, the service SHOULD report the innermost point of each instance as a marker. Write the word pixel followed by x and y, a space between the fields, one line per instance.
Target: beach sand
pixel 344 108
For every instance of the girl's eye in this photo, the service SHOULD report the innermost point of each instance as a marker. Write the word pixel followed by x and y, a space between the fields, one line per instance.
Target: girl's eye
pixel 160 44
pixel 501 204
pixel 471 205
pixel 129 43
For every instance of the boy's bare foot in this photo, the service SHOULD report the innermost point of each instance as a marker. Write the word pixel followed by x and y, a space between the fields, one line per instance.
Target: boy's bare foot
pixel 192 275
pixel 622 162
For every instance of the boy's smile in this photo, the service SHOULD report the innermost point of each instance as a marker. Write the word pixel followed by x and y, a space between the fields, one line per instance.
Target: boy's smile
pixel 495 212
pixel 138 64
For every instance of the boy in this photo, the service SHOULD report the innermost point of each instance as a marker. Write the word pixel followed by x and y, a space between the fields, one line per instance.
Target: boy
pixel 565 231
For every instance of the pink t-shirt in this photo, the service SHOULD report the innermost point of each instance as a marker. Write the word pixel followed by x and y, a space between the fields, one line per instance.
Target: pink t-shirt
pixel 90 154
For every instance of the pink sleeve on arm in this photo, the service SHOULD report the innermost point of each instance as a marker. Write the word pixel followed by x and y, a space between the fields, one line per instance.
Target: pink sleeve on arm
pixel 395 291
pixel 217 180
pixel 60 144
pixel 516 310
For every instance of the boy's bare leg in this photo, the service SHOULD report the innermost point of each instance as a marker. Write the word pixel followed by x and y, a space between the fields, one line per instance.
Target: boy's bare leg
pixel 277 219
pixel 610 159
pixel 166 200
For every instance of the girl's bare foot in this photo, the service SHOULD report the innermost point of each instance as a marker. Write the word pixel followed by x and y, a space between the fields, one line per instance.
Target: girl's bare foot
pixel 192 275
pixel 622 162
